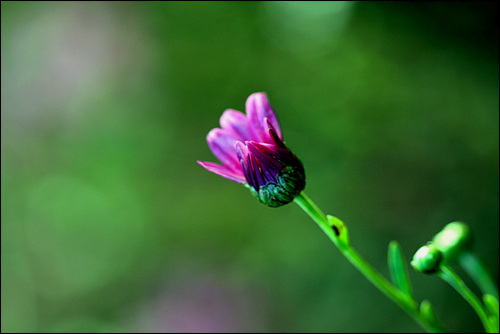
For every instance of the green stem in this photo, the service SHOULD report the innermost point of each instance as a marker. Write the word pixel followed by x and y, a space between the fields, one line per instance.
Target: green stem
pixel 479 273
pixel 448 275
pixel 405 302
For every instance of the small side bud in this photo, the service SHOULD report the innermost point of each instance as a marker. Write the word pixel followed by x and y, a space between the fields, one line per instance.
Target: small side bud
pixel 340 230
pixel 454 239
pixel 427 259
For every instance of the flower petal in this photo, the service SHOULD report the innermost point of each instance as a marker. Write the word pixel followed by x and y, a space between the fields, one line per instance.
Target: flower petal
pixel 258 109
pixel 275 139
pixel 222 145
pixel 236 124
pixel 269 164
pixel 280 154
pixel 223 171
pixel 241 150
pixel 259 167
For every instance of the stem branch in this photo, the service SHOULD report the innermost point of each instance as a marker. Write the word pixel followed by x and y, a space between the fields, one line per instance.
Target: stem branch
pixel 448 275
pixel 404 301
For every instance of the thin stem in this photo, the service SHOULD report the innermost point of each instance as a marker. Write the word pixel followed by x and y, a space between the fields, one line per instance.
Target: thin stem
pixel 316 214
pixel 458 284
pixel 477 270
pixel 405 302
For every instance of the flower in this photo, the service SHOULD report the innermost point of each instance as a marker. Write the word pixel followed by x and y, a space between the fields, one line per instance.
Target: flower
pixel 252 153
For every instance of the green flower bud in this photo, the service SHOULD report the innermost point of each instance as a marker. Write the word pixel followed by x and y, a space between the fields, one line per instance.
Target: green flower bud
pixel 453 240
pixel 427 259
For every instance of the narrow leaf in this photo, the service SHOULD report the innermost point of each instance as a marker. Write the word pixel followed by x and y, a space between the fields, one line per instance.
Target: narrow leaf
pixel 428 312
pixel 491 305
pixel 398 269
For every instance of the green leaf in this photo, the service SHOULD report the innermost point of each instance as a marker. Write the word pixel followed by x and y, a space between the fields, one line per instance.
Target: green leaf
pixel 428 312
pixel 491 305
pixel 398 269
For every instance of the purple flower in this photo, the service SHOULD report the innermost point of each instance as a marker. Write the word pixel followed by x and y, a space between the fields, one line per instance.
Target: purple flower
pixel 252 152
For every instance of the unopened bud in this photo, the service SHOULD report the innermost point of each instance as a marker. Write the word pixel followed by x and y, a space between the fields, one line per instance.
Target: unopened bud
pixel 453 240
pixel 427 259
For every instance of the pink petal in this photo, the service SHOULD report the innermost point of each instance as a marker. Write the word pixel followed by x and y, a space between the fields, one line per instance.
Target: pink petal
pixel 222 145
pixel 273 136
pixel 236 124
pixel 258 109
pixel 241 150
pixel 223 171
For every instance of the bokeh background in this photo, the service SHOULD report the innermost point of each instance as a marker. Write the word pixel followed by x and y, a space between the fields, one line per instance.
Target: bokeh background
pixel 110 225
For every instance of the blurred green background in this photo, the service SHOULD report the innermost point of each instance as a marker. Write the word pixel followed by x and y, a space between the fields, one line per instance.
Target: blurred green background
pixel 110 225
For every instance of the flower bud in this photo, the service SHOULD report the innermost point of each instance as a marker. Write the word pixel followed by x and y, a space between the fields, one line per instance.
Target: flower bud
pixel 253 153
pixel 427 259
pixel 453 240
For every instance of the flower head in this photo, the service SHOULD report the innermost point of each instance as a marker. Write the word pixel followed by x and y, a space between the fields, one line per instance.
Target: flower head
pixel 252 152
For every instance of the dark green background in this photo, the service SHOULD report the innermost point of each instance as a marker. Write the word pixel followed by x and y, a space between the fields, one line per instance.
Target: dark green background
pixel 110 225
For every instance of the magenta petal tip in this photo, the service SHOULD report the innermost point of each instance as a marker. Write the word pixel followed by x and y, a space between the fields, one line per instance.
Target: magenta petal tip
pixel 223 171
